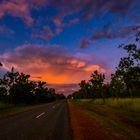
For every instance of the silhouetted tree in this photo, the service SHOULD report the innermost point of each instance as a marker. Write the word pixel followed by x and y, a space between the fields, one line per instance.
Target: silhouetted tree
pixel 128 69
pixel 84 88
pixel 0 64
pixel 10 77
pixel 22 89
pixel 60 96
pixel 117 86
pixel 97 82
pixel 41 92
pixel 78 95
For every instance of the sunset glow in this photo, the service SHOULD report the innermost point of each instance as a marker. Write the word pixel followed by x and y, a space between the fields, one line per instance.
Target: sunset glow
pixel 63 42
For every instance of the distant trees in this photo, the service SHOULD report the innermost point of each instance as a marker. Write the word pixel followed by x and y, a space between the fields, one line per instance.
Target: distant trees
pixel 77 95
pixel 125 82
pixel 0 64
pixel 92 88
pixel 16 88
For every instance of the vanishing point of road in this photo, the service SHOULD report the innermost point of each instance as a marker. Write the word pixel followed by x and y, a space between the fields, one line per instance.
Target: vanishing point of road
pixel 49 122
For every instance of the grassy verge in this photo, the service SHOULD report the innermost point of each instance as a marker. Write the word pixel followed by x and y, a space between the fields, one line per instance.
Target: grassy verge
pixel 10 109
pixel 84 127
pixel 122 103
pixel 120 116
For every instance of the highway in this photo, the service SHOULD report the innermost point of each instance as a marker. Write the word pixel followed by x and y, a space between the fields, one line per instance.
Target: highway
pixel 49 122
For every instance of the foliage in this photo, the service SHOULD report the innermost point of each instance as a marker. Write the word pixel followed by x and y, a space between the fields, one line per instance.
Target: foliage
pixel 17 88
pixel 125 82
pixel 120 103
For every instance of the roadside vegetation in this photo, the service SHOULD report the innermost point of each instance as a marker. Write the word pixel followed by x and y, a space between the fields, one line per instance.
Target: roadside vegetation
pixel 7 109
pixel 119 103
pixel 124 83
pixel 112 119
pixel 17 91
pixel 110 109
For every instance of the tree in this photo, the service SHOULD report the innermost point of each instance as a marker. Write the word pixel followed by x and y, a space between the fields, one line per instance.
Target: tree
pixel 41 92
pixel 3 93
pixel 0 64
pixel 22 90
pixel 128 70
pixel 19 89
pixel 10 77
pixel 60 96
pixel 84 88
pixel 97 82
pixel 117 86
pixel 78 95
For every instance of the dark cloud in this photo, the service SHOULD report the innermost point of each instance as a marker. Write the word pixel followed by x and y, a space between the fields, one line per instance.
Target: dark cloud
pixel 90 8
pixel 110 33
pixel 86 9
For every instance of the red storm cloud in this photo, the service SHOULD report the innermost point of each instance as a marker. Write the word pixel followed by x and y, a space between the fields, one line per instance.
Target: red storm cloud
pixel 52 63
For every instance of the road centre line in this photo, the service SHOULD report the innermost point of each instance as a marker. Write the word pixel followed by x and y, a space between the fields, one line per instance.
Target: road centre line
pixel 40 115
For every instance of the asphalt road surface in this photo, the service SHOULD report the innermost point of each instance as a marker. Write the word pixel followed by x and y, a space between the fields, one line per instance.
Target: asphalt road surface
pixel 50 122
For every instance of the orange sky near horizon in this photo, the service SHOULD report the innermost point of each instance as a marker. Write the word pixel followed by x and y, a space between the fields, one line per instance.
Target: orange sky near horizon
pixel 42 63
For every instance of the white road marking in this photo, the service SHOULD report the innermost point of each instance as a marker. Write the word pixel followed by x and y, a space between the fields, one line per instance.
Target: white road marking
pixel 40 115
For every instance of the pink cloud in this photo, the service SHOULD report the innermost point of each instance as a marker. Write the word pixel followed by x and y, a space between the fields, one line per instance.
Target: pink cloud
pixel 95 67
pixel 17 9
pixel 47 32
pixel 108 33
pixel 87 8
pixel 57 22
pixel 52 63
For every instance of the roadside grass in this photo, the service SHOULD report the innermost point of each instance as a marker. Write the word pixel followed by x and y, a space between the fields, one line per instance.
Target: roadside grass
pixel 4 106
pixel 130 104
pixel 119 116
pixel 10 109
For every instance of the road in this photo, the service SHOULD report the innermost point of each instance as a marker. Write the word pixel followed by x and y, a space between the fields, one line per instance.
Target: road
pixel 50 122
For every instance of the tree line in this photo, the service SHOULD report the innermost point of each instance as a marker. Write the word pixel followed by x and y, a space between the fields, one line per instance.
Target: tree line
pixel 125 82
pixel 16 88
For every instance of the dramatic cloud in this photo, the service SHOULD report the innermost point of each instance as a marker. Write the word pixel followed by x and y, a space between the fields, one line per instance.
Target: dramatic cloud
pixel 52 64
pixel 71 21
pixel 17 9
pixel 82 9
pixel 47 32
pixel 109 33
pixel 89 8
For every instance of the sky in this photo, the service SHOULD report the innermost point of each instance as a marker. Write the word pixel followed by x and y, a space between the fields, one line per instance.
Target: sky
pixel 63 41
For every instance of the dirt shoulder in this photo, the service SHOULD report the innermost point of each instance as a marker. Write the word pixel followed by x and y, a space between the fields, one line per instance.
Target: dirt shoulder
pixel 90 125
pixel 84 127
